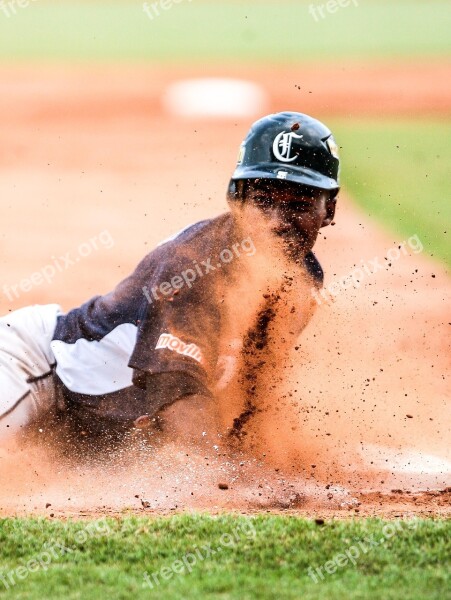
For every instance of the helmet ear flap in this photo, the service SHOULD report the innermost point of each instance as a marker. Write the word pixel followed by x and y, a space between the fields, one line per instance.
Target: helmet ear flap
pixel 235 191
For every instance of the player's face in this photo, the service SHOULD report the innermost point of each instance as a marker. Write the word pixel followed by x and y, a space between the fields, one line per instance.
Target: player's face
pixel 295 212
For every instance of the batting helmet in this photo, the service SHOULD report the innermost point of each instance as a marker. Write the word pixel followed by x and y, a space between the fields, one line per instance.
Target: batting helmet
pixel 290 146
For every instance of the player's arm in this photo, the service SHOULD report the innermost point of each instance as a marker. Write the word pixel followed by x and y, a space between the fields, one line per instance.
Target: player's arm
pixel 175 357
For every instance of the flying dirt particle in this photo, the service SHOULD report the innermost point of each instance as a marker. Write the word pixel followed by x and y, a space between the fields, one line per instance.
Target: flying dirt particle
pixel 145 504
pixel 319 521
pixel 409 416
pixel 295 127
pixel 223 486
pixel 48 505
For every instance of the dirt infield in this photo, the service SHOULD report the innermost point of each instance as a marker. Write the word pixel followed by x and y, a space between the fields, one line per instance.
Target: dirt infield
pixel 363 402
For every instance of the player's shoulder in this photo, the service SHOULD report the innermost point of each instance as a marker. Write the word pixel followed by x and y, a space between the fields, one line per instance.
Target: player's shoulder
pixel 197 242
pixel 207 229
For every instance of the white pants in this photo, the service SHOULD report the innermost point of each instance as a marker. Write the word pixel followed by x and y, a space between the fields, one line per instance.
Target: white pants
pixel 27 388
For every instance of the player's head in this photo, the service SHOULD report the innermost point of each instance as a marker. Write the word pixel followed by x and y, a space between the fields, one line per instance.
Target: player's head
pixel 288 168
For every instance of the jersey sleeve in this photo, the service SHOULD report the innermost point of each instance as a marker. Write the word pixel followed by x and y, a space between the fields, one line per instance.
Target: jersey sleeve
pixel 179 329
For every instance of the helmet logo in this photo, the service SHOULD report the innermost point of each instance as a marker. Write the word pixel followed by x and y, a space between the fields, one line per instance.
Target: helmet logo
pixel 282 146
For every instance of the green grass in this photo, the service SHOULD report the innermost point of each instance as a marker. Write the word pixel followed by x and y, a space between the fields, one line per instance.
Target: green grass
pixel 228 31
pixel 268 558
pixel 398 171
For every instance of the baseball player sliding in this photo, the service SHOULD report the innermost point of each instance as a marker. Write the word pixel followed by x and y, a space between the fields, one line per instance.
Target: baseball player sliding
pixel 153 348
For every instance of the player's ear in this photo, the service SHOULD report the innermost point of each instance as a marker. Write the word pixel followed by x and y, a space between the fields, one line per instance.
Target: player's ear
pixel 330 212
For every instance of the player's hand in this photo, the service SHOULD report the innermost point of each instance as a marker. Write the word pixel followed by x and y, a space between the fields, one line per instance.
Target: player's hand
pixel 192 420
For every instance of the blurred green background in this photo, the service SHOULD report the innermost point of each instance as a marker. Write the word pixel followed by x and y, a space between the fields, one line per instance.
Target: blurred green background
pixel 195 30
pixel 399 171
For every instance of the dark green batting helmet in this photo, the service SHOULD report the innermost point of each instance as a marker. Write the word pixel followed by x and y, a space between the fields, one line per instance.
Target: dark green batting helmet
pixel 289 146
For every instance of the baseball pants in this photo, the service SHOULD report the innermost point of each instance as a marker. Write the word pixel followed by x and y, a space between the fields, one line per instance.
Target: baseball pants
pixel 27 389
